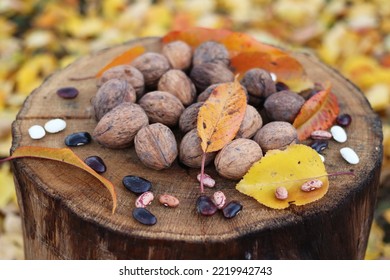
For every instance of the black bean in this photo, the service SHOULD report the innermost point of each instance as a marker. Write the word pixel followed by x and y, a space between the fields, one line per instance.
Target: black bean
pixel 67 92
pixel 205 206
pixel 231 209
pixel 281 86
pixel 77 139
pixel 319 145
pixel 143 216
pixel 344 120
pixel 96 163
pixel 137 185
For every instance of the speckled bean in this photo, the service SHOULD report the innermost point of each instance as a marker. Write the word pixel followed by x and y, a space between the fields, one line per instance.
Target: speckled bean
pixel 311 185
pixel 168 200
pixel 219 199
pixel 144 200
pixel 321 135
pixel 207 180
pixel 281 193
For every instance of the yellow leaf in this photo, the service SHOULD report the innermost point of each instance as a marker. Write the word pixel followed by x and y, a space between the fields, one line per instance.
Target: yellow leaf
pixel 7 190
pixel 290 169
pixel 221 115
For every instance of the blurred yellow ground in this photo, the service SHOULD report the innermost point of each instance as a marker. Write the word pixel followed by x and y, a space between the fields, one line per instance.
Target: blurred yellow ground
pixel 41 36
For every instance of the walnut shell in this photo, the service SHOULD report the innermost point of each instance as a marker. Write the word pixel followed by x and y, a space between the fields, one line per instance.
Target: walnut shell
pixel 259 84
pixel 179 54
pixel 111 94
pixel 276 135
pixel 206 74
pixel 125 72
pixel 189 118
pixel 251 123
pixel 152 66
pixel 211 52
pixel 283 106
pixel 162 107
pixel 206 93
pixel 177 83
pixel 117 128
pixel 191 152
pixel 235 159
pixel 156 146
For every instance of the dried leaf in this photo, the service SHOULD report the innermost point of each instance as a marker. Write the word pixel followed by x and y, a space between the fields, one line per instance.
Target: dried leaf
pixel 65 155
pixel 246 52
pixel 287 69
pixel 125 58
pixel 289 168
pixel 221 115
pixel 317 113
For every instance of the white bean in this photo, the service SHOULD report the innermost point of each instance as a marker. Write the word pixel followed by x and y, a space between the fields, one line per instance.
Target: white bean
pixel 36 132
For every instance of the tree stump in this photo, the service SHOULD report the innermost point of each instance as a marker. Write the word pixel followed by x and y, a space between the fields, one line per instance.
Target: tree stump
pixel 67 214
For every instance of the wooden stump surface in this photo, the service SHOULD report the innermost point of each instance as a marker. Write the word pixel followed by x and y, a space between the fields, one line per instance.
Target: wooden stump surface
pixel 67 213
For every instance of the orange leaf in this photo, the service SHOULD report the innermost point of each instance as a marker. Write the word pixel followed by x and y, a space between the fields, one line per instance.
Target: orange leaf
pixel 246 52
pixel 287 69
pixel 317 113
pixel 125 58
pixel 65 155
pixel 221 115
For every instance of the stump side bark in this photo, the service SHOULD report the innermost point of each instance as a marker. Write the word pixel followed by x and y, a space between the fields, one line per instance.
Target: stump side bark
pixel 66 214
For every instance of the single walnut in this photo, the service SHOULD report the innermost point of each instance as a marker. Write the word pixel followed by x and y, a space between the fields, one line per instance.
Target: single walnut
pixel 276 135
pixel 206 74
pixel 152 66
pixel 251 123
pixel 125 72
pixel 111 94
pixel 156 146
pixel 235 159
pixel 206 93
pixel 211 52
pixel 258 83
pixel 177 83
pixel 179 54
pixel 162 107
pixel 191 152
pixel 117 128
pixel 189 118
pixel 283 106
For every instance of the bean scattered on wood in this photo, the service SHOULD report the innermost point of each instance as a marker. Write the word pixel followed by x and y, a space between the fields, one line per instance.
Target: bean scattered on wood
pixel 135 184
pixel 144 216
pixel 78 139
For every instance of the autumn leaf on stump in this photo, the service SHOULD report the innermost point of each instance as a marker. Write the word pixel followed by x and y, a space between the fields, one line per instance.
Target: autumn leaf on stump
pixel 290 169
pixel 220 117
pixel 64 155
pixel 317 113
pixel 246 53
pixel 125 58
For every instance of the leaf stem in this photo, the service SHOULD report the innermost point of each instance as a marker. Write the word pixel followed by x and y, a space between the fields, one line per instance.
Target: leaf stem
pixel 202 172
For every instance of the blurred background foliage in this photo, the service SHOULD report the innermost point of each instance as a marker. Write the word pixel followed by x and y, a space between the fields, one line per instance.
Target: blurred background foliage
pixel 38 37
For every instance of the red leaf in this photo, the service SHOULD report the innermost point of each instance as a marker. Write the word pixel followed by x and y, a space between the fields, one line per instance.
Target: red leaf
pixel 319 112
pixel 125 58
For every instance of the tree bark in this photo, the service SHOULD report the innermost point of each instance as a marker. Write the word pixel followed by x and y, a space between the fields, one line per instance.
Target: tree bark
pixel 66 214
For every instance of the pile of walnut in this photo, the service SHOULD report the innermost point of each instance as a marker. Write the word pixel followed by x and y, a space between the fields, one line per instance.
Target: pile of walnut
pixel 170 88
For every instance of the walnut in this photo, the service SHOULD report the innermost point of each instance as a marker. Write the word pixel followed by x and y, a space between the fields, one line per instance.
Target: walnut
pixel 191 152
pixel 206 93
pixel 111 94
pixel 259 84
pixel 177 83
pixel 117 128
pixel 251 123
pixel 125 72
pixel 283 106
pixel 189 118
pixel 162 107
pixel 276 135
pixel 235 159
pixel 206 74
pixel 179 54
pixel 156 146
pixel 211 52
pixel 152 66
